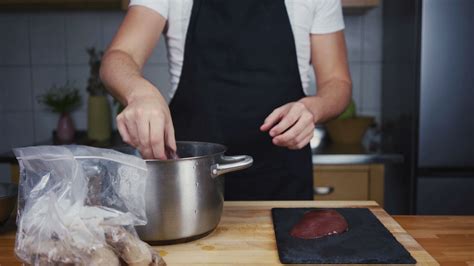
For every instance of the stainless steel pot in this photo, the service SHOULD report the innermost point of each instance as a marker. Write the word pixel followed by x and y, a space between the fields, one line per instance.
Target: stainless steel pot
pixel 184 197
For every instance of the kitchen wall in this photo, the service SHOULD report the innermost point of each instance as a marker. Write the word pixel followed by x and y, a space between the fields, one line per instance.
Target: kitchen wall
pixel 364 44
pixel 39 49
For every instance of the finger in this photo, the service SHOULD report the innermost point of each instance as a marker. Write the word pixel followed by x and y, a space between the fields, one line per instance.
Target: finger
pixel 303 141
pixel 170 143
pixel 289 137
pixel 143 133
pixel 169 136
pixel 123 131
pixel 157 138
pixel 303 138
pixel 287 121
pixel 273 118
pixel 131 128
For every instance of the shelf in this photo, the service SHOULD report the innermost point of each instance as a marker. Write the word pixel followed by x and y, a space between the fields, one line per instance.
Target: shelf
pixel 359 6
pixel 62 4
pixel 348 5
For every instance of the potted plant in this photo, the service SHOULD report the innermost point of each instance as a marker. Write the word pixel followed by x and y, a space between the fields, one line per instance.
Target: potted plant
pixel 62 100
pixel 99 119
pixel 349 127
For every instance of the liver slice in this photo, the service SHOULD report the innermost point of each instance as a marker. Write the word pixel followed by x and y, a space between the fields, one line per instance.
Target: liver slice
pixel 319 223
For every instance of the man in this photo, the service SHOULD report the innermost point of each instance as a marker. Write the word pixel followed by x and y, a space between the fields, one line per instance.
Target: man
pixel 239 73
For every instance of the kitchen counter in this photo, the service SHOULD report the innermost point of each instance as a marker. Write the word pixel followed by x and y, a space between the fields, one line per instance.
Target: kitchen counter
pixel 325 153
pixel 449 239
pixel 80 138
pixel 245 236
pixel 335 153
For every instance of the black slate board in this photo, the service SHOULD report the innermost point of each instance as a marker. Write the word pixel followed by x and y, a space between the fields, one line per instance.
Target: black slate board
pixel 367 240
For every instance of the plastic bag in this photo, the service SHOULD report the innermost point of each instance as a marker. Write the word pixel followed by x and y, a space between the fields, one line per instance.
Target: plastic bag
pixel 79 205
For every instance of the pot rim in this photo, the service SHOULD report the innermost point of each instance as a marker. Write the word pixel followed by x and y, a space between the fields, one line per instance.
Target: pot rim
pixel 223 147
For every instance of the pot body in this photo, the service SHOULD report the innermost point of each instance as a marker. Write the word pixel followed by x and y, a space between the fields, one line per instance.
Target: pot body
pixel 184 197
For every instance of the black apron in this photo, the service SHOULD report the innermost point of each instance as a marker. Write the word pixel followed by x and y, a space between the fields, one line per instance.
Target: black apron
pixel 239 65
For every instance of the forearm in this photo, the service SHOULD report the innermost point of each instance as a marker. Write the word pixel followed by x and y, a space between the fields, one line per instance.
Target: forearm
pixel 331 99
pixel 122 77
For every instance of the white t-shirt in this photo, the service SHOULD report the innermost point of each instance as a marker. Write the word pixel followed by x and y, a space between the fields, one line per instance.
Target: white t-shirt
pixel 306 17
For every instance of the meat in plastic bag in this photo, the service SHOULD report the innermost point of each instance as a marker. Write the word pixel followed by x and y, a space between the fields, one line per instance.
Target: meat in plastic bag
pixel 78 205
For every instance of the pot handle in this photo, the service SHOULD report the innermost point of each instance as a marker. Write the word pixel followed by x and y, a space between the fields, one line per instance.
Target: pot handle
pixel 231 164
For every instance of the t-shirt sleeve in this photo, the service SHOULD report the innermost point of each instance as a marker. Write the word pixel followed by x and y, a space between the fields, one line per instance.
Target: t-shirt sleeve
pixel 327 17
pixel 160 6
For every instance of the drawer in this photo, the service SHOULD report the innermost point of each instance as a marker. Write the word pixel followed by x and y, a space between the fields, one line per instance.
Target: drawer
pixel 342 185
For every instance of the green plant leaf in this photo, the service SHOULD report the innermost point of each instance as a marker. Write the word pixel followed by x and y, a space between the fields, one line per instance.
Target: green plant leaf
pixel 61 99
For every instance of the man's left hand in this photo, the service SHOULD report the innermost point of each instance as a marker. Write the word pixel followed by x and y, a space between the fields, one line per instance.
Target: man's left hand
pixel 291 125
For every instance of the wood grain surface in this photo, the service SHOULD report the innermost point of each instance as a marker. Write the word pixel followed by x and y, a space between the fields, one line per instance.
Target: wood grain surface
pixel 245 236
pixel 360 3
pixel 115 4
pixel 450 239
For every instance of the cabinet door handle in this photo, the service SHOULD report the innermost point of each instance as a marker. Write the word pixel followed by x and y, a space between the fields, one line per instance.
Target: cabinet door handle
pixel 322 191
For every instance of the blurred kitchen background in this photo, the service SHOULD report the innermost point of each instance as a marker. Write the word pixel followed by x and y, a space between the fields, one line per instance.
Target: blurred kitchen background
pixel 410 63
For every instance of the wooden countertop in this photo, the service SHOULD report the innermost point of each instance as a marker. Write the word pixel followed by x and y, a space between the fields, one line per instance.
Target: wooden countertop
pixel 449 239
pixel 245 236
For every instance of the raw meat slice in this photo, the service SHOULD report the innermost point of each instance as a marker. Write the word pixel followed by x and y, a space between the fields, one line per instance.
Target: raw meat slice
pixel 319 223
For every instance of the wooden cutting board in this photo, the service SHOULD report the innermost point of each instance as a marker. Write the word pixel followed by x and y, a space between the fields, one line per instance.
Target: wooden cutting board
pixel 245 235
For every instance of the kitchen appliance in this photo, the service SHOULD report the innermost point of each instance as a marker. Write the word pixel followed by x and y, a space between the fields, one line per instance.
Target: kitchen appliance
pixel 8 196
pixel 184 197
pixel 366 242
pixel 428 115
pixel 446 119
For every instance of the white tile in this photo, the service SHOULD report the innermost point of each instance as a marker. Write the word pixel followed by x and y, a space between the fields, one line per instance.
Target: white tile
pixel 45 123
pixel 18 129
pixel 159 76
pixel 353 34
pixel 78 75
pixel 14 48
pixel 110 23
pixel 83 30
pixel 356 73
pixel 44 77
pixel 371 86
pixel 159 54
pixel 15 89
pixel 48 38
pixel 373 35
pixel 80 120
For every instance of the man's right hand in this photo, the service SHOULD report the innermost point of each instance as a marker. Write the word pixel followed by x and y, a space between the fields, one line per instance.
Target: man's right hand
pixel 146 124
